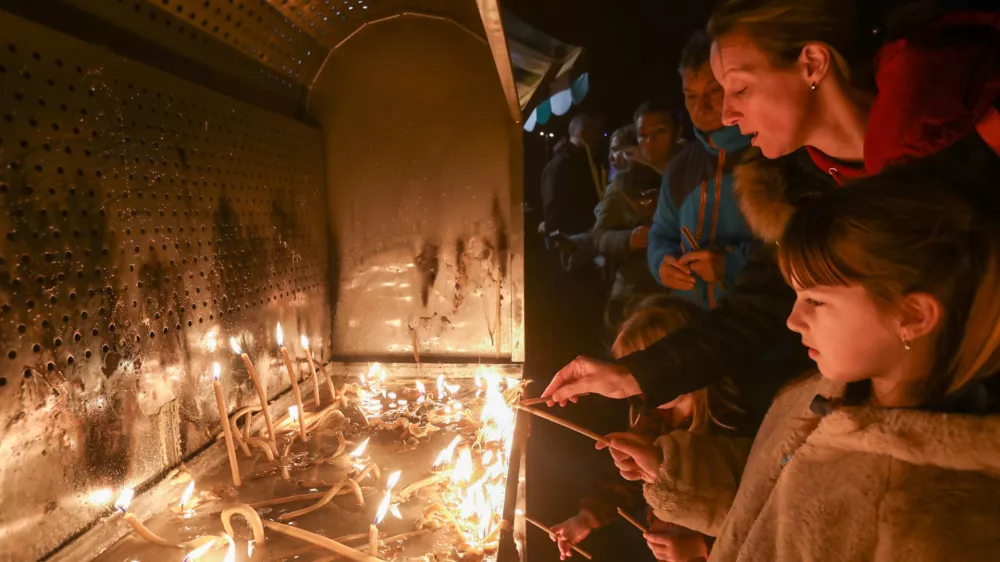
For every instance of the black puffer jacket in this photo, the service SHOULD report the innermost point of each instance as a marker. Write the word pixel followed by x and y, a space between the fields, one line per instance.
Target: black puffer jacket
pixel 748 327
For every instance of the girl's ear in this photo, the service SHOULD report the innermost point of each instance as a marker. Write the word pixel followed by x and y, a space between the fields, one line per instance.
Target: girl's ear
pixel 815 61
pixel 920 315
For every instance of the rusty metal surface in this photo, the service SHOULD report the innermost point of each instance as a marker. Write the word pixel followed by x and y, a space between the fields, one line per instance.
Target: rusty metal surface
pixel 252 27
pixel 424 195
pixel 142 216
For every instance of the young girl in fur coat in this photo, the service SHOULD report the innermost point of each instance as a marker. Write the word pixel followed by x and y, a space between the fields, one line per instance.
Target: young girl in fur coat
pixel 891 452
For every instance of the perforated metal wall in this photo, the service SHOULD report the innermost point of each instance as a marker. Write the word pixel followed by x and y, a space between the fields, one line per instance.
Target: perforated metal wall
pixel 143 218
pixel 253 27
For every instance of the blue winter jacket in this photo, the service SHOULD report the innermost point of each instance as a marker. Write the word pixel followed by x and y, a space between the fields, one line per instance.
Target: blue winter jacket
pixel 692 196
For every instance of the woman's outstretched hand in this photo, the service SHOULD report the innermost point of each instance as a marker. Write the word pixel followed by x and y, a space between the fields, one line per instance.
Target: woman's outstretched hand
pixel 635 456
pixel 590 376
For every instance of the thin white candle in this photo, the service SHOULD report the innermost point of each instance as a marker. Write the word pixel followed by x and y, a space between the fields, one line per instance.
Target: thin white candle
pixel 280 336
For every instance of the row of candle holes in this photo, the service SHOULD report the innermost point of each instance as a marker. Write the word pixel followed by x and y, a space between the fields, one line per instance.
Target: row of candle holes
pixel 225 34
pixel 273 135
pixel 78 336
pixel 205 43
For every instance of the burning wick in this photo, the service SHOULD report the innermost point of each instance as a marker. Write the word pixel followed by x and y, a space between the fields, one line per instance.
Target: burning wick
pixel 280 337
pixel 383 508
pixel 227 431
pixel 356 453
pixel 261 391
pixel 121 504
pixel 186 496
pixel 309 357
pixel 293 414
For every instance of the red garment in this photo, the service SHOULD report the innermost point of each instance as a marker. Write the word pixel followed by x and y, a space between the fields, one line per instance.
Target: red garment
pixel 934 87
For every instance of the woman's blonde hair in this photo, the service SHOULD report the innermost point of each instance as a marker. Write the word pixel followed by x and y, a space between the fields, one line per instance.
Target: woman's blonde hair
pixel 909 230
pixel 653 319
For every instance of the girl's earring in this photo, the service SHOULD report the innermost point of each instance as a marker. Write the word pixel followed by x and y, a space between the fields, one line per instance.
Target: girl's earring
pixel 906 344
pixel 814 86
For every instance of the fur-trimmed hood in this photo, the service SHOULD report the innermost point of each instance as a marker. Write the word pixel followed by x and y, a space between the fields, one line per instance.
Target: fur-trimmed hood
pixel 769 191
pixel 863 483
pixel 962 442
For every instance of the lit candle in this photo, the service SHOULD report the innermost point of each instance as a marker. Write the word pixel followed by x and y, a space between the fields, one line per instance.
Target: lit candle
pixel 227 431
pixel 261 391
pixel 423 392
pixel 312 366
pixel 291 376
pixel 121 504
pixel 440 387
pixel 383 508
pixel 293 414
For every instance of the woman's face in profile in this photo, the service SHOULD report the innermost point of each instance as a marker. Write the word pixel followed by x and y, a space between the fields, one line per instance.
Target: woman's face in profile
pixel 771 104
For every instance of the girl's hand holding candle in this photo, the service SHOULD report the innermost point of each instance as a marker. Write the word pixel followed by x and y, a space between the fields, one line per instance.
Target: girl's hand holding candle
pixel 261 391
pixel 280 336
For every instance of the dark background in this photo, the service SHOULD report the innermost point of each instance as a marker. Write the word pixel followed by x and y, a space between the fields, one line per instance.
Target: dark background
pixel 632 51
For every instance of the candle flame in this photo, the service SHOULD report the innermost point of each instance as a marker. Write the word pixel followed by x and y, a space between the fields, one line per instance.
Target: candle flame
pixel 304 341
pixel 394 510
pixel 293 413
pixel 124 499
pixel 383 508
pixel 216 371
pixel 421 388
pixel 440 386
pixel 235 346
pixel 100 497
pixel 251 544
pixel 392 480
pixel 186 496
pixel 463 468
pixel 198 552
pixel 447 453
pixel 279 335
pixel 356 453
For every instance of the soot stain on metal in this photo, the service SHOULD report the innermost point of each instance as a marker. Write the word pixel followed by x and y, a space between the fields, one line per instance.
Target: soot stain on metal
pixel 427 262
pixel 461 273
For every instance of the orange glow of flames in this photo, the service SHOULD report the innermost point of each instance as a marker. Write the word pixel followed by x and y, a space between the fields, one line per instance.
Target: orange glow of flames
pixel 463 467
pixel 447 453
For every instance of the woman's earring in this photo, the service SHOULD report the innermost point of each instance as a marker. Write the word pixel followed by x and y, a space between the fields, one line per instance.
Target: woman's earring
pixel 906 344
pixel 814 86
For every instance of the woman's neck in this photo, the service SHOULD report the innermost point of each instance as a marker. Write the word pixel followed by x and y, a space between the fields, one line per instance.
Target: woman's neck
pixel 842 123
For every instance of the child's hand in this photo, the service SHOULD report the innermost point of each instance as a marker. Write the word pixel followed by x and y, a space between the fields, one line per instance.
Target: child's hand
pixel 572 531
pixel 635 456
pixel 673 546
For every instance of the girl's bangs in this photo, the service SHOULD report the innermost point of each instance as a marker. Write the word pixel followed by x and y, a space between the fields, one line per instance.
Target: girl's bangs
pixel 809 258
